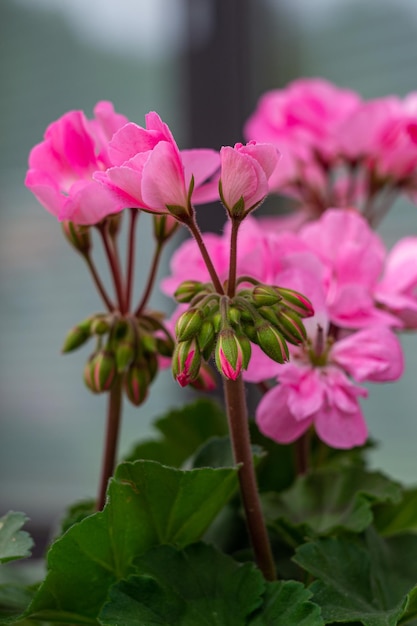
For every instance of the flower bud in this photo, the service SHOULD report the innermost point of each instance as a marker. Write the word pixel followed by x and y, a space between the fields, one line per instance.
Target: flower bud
pixel 164 226
pixel 152 364
pixel 100 371
pixel 100 325
pixel 233 315
pixel 148 342
pixel 265 295
pixel 249 329
pixel 296 301
pixel 125 353
pixel 187 290
pixel 114 222
pixel 272 343
pixel 77 336
pixel 186 362
pixel 188 324
pixel 231 353
pixel 206 379
pixel 136 383
pixel 291 326
pixel 269 314
pixel 78 236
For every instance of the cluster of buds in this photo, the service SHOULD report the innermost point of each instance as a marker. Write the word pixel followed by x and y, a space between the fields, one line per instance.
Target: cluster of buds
pixel 127 347
pixel 266 315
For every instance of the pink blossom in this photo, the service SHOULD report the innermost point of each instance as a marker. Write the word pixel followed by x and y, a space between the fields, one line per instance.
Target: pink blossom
pixel 149 171
pixel 397 289
pixel 245 171
pixel 318 387
pixel 61 168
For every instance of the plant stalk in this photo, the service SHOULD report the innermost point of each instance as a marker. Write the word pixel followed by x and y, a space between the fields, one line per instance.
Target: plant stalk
pixel 195 231
pixel 239 433
pixel 134 214
pixel 114 414
pixel 151 279
pixel 231 287
pixel 114 267
pixel 97 281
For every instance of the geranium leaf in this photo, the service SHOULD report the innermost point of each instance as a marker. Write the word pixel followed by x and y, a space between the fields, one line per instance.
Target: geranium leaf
pixel 183 431
pixel 287 603
pixel 328 500
pixel 391 519
pixel 365 581
pixel 14 542
pixel 148 504
pixel 197 585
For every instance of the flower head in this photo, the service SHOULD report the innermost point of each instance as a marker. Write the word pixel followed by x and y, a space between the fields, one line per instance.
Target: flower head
pixel 61 168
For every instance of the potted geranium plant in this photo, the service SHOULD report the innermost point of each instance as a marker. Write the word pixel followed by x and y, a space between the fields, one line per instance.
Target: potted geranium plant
pixel 228 518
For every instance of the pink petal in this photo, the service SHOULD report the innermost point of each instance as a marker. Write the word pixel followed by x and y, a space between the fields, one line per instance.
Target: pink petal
pixel 163 178
pixel 260 367
pixel 276 421
pixel 373 354
pixel 339 429
pixel 89 203
pixel 239 177
pixel 130 140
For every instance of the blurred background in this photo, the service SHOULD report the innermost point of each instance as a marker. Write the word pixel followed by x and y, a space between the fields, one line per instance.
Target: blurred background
pixel 202 64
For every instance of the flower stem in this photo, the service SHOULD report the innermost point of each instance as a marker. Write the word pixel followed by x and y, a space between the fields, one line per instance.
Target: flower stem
pixel 233 258
pixel 239 433
pixel 302 454
pixel 97 281
pixel 151 279
pixel 114 413
pixel 195 231
pixel 134 214
pixel 114 266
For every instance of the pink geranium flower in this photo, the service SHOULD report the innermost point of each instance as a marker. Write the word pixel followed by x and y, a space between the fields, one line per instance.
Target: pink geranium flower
pixel 245 171
pixel 318 388
pixel 61 168
pixel 149 171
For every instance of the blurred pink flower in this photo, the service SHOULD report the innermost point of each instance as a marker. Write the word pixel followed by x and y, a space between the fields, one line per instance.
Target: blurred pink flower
pixel 61 168
pixel 149 171
pixel 318 387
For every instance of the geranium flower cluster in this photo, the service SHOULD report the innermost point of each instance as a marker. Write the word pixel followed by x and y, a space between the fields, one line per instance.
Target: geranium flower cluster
pixel 360 295
pixel 338 149
pixel 245 296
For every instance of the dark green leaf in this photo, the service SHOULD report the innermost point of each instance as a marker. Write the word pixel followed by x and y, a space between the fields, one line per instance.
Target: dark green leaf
pixel 287 603
pixel 76 513
pixel 328 500
pixel 391 519
pixel 14 543
pixel 200 586
pixel 184 431
pixel 148 504
pixel 367 580
pixel 217 452
pixel 410 612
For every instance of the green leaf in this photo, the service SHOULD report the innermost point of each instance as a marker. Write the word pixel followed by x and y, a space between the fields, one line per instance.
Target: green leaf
pixel 198 585
pixel 76 513
pixel 328 500
pixel 217 452
pixel 14 543
pixel 148 504
pixel 367 580
pixel 391 519
pixel 410 611
pixel 276 471
pixel 184 431
pixel 287 603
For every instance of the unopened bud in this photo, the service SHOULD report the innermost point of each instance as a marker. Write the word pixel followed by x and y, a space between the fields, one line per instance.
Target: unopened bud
pixel 269 314
pixel 100 325
pixel 125 353
pixel 187 290
pixel 233 315
pixel 152 364
pixel 206 335
pixel 291 326
pixel 206 379
pixel 100 371
pixel 265 295
pixel 272 343
pixel 114 222
pixel 164 226
pixel 165 346
pixel 148 342
pixel 77 336
pixel 232 353
pixel 186 362
pixel 136 383
pixel 296 301
pixel 249 330
pixel 188 324
pixel 77 235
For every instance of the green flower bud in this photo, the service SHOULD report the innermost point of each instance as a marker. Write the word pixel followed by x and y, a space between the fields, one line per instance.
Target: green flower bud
pixel 206 334
pixel 187 290
pixel 125 353
pixel 78 236
pixel 231 354
pixel 272 343
pixel 136 383
pixel 165 346
pixel 186 362
pixel 233 315
pixel 188 324
pixel 147 342
pixel 152 364
pixel 100 371
pixel 291 326
pixel 296 301
pixel 77 336
pixel 164 226
pixel 249 330
pixel 269 314
pixel 265 295
pixel 100 325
